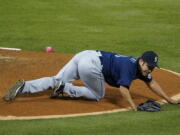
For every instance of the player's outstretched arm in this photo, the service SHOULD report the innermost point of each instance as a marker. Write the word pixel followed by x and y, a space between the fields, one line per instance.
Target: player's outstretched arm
pixel 126 95
pixel 155 87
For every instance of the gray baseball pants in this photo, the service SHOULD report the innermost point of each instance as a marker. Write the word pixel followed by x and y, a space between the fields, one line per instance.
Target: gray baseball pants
pixel 85 66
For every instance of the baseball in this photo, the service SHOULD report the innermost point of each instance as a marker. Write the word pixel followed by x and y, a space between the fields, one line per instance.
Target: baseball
pixel 49 49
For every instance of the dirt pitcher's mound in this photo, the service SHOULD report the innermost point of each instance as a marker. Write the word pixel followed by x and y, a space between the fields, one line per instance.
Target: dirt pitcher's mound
pixel 26 65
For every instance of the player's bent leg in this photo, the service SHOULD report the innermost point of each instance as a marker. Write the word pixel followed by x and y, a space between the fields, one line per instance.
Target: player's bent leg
pixel 85 65
pixel 90 72
pixel 79 91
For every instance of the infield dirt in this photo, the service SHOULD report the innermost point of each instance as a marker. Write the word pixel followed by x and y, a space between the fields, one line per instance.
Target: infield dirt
pixel 15 65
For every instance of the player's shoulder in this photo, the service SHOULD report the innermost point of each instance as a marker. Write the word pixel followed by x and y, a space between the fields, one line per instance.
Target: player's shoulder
pixel 132 61
pixel 127 60
pixel 131 65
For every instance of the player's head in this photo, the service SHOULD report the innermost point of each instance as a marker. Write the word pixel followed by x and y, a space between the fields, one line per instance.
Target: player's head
pixel 147 62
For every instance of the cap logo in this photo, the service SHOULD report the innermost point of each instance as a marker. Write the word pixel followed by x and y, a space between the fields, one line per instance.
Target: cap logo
pixel 155 59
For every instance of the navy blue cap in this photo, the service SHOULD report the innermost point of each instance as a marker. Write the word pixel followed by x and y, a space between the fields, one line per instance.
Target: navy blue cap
pixel 151 58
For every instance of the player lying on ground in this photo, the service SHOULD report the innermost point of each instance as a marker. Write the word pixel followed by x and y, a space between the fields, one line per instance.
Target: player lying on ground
pixel 95 68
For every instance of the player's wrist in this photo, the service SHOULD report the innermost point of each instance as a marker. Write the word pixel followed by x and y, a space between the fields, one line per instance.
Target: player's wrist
pixel 134 107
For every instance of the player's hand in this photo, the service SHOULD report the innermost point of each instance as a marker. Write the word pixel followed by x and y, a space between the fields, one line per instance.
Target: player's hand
pixel 173 101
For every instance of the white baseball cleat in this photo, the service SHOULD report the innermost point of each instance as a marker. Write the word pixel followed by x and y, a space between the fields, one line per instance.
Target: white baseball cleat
pixel 14 90
pixel 59 88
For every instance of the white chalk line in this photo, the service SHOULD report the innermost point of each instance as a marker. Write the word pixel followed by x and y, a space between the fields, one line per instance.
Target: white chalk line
pixel 6 58
pixel 61 116
pixel 13 49
pixel 175 97
pixel 175 73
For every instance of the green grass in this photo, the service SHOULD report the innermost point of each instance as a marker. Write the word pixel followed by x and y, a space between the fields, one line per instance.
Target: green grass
pixel 165 122
pixel 124 26
pixel 128 27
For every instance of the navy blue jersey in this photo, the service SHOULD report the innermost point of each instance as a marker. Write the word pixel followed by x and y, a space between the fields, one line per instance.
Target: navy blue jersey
pixel 120 70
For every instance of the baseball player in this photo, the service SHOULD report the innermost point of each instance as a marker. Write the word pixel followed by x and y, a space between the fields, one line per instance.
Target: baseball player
pixel 95 68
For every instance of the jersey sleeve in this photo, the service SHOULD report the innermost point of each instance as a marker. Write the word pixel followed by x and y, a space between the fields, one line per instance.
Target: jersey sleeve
pixel 147 78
